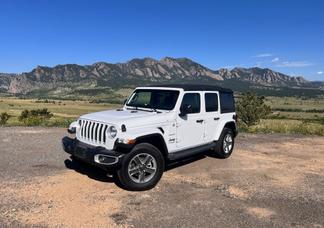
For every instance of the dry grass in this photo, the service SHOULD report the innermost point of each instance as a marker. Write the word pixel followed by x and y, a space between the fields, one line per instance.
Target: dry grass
pixel 287 127
pixel 64 111
pixel 295 103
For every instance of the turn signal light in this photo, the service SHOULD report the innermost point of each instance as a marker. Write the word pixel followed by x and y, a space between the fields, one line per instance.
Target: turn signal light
pixel 127 141
pixel 131 141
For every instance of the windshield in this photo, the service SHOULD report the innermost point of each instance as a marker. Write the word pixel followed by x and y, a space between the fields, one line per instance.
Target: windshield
pixel 154 98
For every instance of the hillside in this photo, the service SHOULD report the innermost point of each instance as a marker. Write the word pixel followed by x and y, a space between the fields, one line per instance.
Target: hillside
pixel 90 80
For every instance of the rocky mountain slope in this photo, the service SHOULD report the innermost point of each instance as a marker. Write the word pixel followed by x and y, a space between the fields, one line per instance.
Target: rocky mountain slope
pixel 138 72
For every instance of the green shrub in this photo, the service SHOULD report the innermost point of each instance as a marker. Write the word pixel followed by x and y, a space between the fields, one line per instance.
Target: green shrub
pixel 286 127
pixel 58 122
pixel 35 117
pixel 4 117
pixel 23 115
pixel 251 109
pixel 46 101
pixel 33 121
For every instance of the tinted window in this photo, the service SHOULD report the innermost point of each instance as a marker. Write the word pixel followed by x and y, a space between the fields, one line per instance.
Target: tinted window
pixel 158 99
pixel 211 102
pixel 227 102
pixel 192 99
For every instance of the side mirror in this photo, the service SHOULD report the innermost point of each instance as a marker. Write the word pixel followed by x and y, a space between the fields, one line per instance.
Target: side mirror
pixel 184 110
pixel 125 101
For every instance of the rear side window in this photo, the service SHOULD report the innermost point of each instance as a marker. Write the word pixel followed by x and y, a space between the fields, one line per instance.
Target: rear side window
pixel 211 102
pixel 192 99
pixel 227 102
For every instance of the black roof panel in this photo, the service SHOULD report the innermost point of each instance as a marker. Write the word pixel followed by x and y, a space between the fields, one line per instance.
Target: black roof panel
pixel 195 87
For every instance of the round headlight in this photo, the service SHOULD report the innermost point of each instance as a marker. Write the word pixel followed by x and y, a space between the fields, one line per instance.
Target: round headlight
pixel 112 132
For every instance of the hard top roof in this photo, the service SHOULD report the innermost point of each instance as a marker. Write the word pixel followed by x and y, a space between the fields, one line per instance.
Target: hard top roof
pixel 194 87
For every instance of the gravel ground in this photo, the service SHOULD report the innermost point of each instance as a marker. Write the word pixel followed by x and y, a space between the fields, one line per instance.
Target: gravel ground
pixel 269 181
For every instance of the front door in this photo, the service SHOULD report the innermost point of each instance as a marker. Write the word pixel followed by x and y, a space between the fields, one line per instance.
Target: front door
pixel 190 128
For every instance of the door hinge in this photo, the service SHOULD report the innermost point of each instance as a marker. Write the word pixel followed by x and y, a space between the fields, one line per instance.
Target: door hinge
pixel 172 140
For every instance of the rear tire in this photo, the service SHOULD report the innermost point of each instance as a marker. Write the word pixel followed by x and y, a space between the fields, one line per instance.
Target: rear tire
pixel 142 168
pixel 225 145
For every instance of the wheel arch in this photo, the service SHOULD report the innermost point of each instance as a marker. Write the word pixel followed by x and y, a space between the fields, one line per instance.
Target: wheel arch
pixel 156 140
pixel 232 125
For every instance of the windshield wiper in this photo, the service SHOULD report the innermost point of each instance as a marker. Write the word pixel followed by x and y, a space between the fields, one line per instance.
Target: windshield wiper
pixel 155 110
pixel 132 108
pixel 137 108
pixel 143 109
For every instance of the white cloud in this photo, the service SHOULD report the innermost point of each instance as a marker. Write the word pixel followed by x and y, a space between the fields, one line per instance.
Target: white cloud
pixel 295 64
pixel 263 55
pixel 320 72
pixel 275 60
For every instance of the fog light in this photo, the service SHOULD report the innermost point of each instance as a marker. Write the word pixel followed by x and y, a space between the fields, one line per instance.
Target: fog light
pixel 102 159
pixel 105 159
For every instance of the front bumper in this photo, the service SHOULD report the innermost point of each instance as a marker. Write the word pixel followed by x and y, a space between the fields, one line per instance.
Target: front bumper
pixel 98 156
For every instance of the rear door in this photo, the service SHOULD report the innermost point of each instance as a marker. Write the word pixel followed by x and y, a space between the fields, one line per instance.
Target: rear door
pixel 190 128
pixel 212 115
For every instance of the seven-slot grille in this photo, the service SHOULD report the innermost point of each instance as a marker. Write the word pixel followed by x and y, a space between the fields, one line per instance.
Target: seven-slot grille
pixel 93 131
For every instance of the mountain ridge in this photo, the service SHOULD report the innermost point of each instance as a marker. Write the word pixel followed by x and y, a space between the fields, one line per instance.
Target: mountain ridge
pixel 139 71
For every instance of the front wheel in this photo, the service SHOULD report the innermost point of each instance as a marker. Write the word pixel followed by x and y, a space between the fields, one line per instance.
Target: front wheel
pixel 226 144
pixel 142 168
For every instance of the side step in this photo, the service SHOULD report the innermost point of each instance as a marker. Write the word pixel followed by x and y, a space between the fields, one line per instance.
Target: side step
pixel 191 152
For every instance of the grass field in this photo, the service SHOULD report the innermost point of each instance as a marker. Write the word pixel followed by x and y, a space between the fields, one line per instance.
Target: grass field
pixel 287 126
pixel 290 108
pixel 290 115
pixel 63 111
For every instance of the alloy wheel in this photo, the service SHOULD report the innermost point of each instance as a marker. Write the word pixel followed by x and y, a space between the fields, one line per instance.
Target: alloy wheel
pixel 227 143
pixel 142 168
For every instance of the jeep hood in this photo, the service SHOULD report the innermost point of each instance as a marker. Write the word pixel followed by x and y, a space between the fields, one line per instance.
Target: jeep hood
pixel 124 116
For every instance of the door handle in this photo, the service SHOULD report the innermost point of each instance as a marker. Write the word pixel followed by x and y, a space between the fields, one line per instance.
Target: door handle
pixel 199 121
pixel 216 118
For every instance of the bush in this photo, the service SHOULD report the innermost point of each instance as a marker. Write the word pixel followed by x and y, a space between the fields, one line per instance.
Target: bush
pixel 34 117
pixel 286 127
pixel 58 123
pixel 23 115
pixel 4 117
pixel 33 121
pixel 46 101
pixel 251 109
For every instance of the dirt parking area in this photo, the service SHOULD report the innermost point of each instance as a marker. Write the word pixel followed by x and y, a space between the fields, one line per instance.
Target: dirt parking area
pixel 269 181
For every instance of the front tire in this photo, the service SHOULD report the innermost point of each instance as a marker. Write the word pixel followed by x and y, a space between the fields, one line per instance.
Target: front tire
pixel 142 168
pixel 225 145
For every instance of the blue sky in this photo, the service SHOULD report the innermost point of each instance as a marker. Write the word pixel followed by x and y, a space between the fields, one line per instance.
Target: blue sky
pixel 287 36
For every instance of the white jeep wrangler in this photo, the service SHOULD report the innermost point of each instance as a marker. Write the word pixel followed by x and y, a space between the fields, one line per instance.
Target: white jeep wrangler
pixel 157 125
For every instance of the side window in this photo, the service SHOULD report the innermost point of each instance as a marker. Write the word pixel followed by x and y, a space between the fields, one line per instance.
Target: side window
pixel 211 102
pixel 227 102
pixel 192 99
